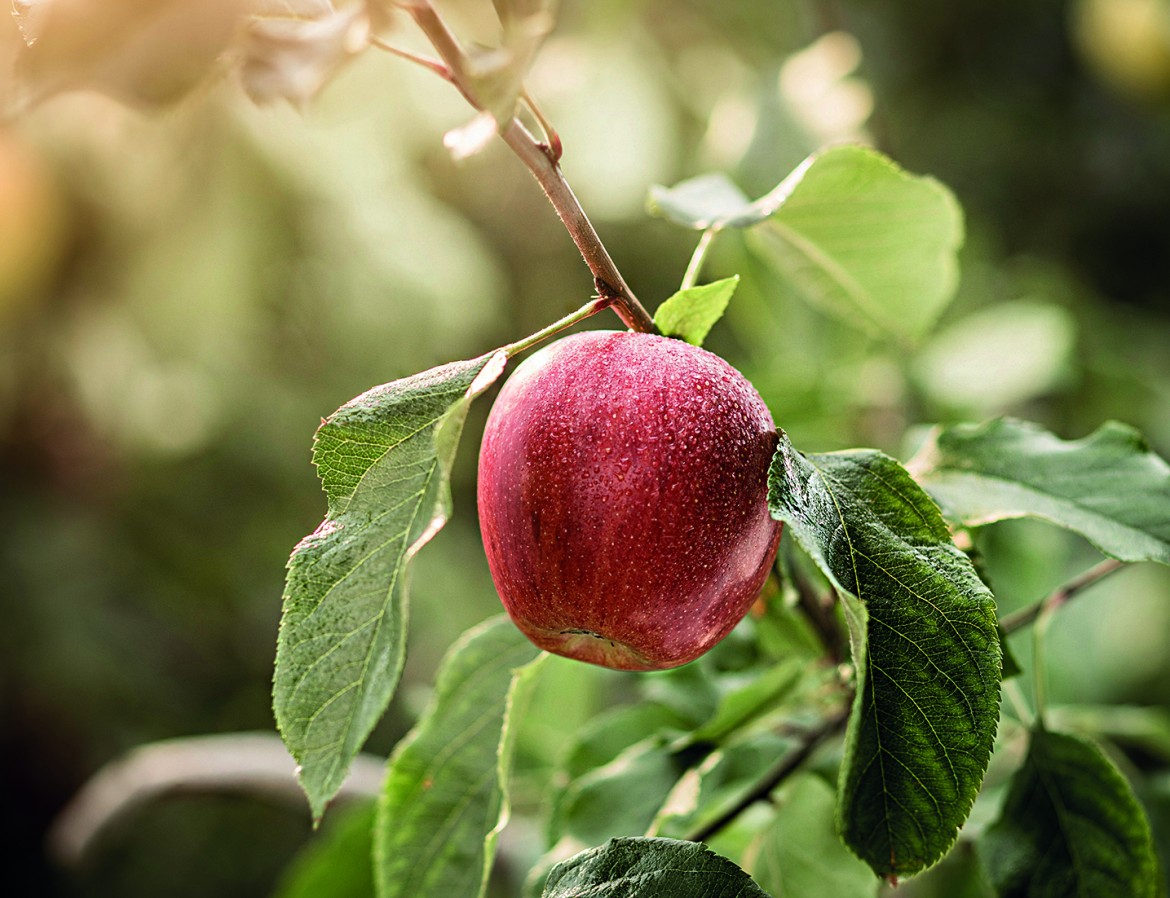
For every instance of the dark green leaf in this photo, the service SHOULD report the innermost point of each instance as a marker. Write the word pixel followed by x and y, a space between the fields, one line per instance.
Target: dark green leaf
pixel 1109 487
pixel 650 868
pixel 383 459
pixel 336 862
pixel 1070 828
pixel 800 855
pixel 866 241
pixel 691 313
pixel 444 800
pixel 926 648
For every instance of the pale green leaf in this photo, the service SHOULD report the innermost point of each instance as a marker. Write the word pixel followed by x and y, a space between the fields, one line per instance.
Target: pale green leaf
pixel 1071 827
pixel 800 855
pixel 444 800
pixel 650 868
pixel 864 240
pixel 707 201
pixel 1109 487
pixel 691 313
pixel 925 644
pixel 384 460
pixel 336 862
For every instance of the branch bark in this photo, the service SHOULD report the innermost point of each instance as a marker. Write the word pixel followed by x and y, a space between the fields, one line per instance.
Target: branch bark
pixel 1026 616
pixel 541 161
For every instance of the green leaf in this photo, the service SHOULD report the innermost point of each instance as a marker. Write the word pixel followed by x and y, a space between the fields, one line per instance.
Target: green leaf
pixel 925 645
pixel 1109 487
pixel 650 868
pixel 444 800
pixel 691 313
pixel 708 201
pixel 384 460
pixel 336 862
pixel 799 855
pixel 618 799
pixel 742 705
pixel 1070 828
pixel 725 777
pixel 607 735
pixel 864 240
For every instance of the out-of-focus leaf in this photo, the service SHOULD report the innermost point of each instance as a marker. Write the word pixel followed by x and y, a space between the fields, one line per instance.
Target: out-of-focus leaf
pixel 140 51
pixel 724 777
pixel 497 74
pixel 691 313
pixel 650 868
pixel 741 706
pixel 292 57
pixel 445 801
pixel 1128 725
pixel 337 861
pixel 608 735
pixel 384 460
pixel 925 645
pixel 998 356
pixel 1109 487
pixel 707 201
pixel 863 239
pixel 854 233
pixel 619 799
pixel 1071 826
pixel 800 855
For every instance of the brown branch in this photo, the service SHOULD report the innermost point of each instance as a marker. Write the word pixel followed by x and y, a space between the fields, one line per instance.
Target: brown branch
pixel 1017 620
pixel 821 614
pixel 774 776
pixel 541 161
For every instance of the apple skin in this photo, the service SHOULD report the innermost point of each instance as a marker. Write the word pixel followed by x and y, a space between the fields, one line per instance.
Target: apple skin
pixel 623 499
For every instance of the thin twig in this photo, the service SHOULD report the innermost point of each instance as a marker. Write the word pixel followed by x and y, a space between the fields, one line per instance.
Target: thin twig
pixel 540 161
pixel 431 65
pixel 1019 619
pixel 774 776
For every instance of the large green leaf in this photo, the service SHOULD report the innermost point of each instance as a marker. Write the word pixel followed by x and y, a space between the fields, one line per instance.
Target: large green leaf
pixel 866 241
pixel 384 460
pixel 444 800
pixel 650 868
pixel 1070 828
pixel 1109 487
pixel 926 648
pixel 799 854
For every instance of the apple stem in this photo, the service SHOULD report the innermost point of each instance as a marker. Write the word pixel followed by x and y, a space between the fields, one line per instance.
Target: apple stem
pixel 695 267
pixel 1019 619
pixel 542 161
pixel 787 765
pixel 590 308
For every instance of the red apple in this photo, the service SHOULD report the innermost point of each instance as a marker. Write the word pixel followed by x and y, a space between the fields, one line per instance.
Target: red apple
pixel 623 499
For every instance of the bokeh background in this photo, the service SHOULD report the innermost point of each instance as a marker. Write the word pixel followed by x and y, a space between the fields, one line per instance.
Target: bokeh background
pixel 186 290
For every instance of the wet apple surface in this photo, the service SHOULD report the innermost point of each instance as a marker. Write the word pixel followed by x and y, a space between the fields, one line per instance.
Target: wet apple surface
pixel 622 499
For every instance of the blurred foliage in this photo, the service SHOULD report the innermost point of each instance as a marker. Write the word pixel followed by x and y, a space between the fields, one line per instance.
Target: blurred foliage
pixel 185 293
